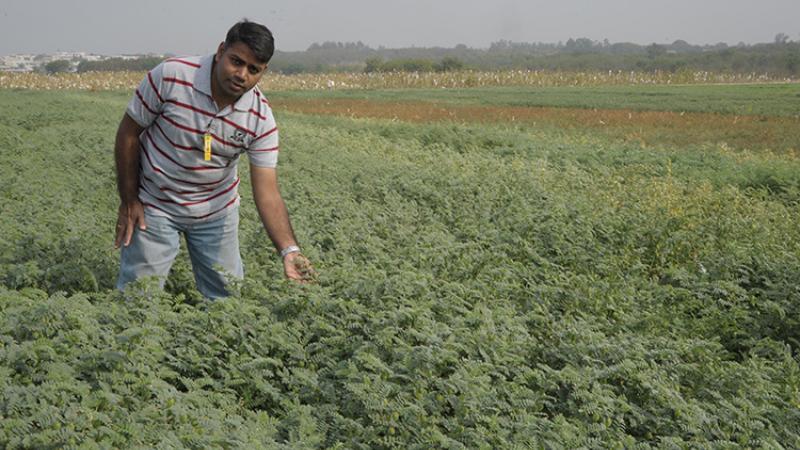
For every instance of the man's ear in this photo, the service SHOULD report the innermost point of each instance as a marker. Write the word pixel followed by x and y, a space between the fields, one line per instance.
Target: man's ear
pixel 220 51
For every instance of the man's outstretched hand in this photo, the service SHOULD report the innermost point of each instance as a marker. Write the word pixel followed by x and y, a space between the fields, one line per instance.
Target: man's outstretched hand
pixel 128 217
pixel 298 268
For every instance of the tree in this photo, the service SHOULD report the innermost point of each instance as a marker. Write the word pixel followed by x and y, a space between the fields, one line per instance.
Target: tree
pixel 60 65
pixel 408 65
pixel 681 46
pixel 374 64
pixel 293 68
pixel 584 44
pixel 579 45
pixel 793 61
pixel 654 50
pixel 450 64
pixel 500 45
pixel 781 38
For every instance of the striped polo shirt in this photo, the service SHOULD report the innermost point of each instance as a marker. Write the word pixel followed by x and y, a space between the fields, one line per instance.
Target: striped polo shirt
pixel 174 105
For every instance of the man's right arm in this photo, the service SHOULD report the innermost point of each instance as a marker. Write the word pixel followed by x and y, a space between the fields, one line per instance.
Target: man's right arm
pixel 126 155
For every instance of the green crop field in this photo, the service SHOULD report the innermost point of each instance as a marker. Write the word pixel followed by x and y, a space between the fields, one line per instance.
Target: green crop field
pixel 758 99
pixel 481 285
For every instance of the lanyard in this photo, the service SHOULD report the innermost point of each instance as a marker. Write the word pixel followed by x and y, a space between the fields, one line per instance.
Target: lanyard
pixel 207 146
pixel 207 142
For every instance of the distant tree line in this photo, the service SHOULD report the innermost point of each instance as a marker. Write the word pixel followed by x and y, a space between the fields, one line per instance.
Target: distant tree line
pixel 137 64
pixel 781 57
pixel 447 64
pixel 120 64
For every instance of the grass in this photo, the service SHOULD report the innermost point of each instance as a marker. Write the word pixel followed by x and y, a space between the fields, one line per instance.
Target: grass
pixel 481 285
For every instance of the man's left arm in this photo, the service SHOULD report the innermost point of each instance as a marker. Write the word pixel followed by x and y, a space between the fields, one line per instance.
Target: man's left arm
pixel 275 218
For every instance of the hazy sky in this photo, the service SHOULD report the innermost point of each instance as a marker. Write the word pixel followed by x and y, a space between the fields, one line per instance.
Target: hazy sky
pixel 197 26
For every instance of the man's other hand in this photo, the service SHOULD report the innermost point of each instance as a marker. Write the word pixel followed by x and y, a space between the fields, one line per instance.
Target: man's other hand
pixel 129 217
pixel 298 268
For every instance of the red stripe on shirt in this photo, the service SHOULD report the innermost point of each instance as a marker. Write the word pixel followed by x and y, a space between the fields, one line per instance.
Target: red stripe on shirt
pixel 216 138
pixel 188 147
pixel 263 99
pixel 192 108
pixel 177 60
pixel 176 145
pixel 144 103
pixel 266 134
pixel 178 180
pixel 153 85
pixel 168 189
pixel 197 202
pixel 210 114
pixel 255 113
pixel 183 127
pixel 273 149
pixel 193 168
pixel 192 217
pixel 237 126
pixel 178 81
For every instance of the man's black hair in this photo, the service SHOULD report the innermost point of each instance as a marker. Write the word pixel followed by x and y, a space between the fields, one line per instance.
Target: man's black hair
pixel 254 35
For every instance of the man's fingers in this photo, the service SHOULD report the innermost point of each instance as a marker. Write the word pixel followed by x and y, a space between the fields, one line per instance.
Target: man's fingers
pixel 128 220
pixel 299 269
pixel 291 272
pixel 119 234
pixel 140 220
pixel 128 233
pixel 294 276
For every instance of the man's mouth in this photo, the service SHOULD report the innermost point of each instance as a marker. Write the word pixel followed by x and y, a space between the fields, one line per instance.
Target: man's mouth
pixel 237 86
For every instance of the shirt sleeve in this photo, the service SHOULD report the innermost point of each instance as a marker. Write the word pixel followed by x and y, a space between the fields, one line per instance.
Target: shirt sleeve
pixel 147 102
pixel 263 150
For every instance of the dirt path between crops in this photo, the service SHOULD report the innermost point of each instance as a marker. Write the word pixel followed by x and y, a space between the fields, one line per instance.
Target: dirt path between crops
pixel 779 134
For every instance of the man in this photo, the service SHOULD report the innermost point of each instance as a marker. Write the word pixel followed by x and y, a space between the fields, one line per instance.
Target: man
pixel 177 149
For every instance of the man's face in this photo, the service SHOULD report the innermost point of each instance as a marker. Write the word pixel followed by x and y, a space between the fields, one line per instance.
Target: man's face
pixel 236 70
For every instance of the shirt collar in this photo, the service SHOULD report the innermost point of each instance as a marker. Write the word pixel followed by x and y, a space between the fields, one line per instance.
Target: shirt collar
pixel 202 82
pixel 202 76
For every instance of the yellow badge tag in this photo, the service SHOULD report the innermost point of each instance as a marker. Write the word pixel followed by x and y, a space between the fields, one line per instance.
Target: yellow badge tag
pixel 207 147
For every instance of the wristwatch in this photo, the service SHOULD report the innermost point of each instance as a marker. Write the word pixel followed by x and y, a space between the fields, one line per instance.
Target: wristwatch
pixel 289 249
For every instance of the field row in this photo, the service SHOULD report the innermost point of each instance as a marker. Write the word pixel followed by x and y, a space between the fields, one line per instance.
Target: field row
pixel 757 117
pixel 774 99
pixel 396 80
pixel 645 128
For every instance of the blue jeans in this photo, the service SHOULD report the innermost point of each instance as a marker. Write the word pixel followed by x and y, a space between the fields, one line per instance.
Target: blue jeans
pixel 213 248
